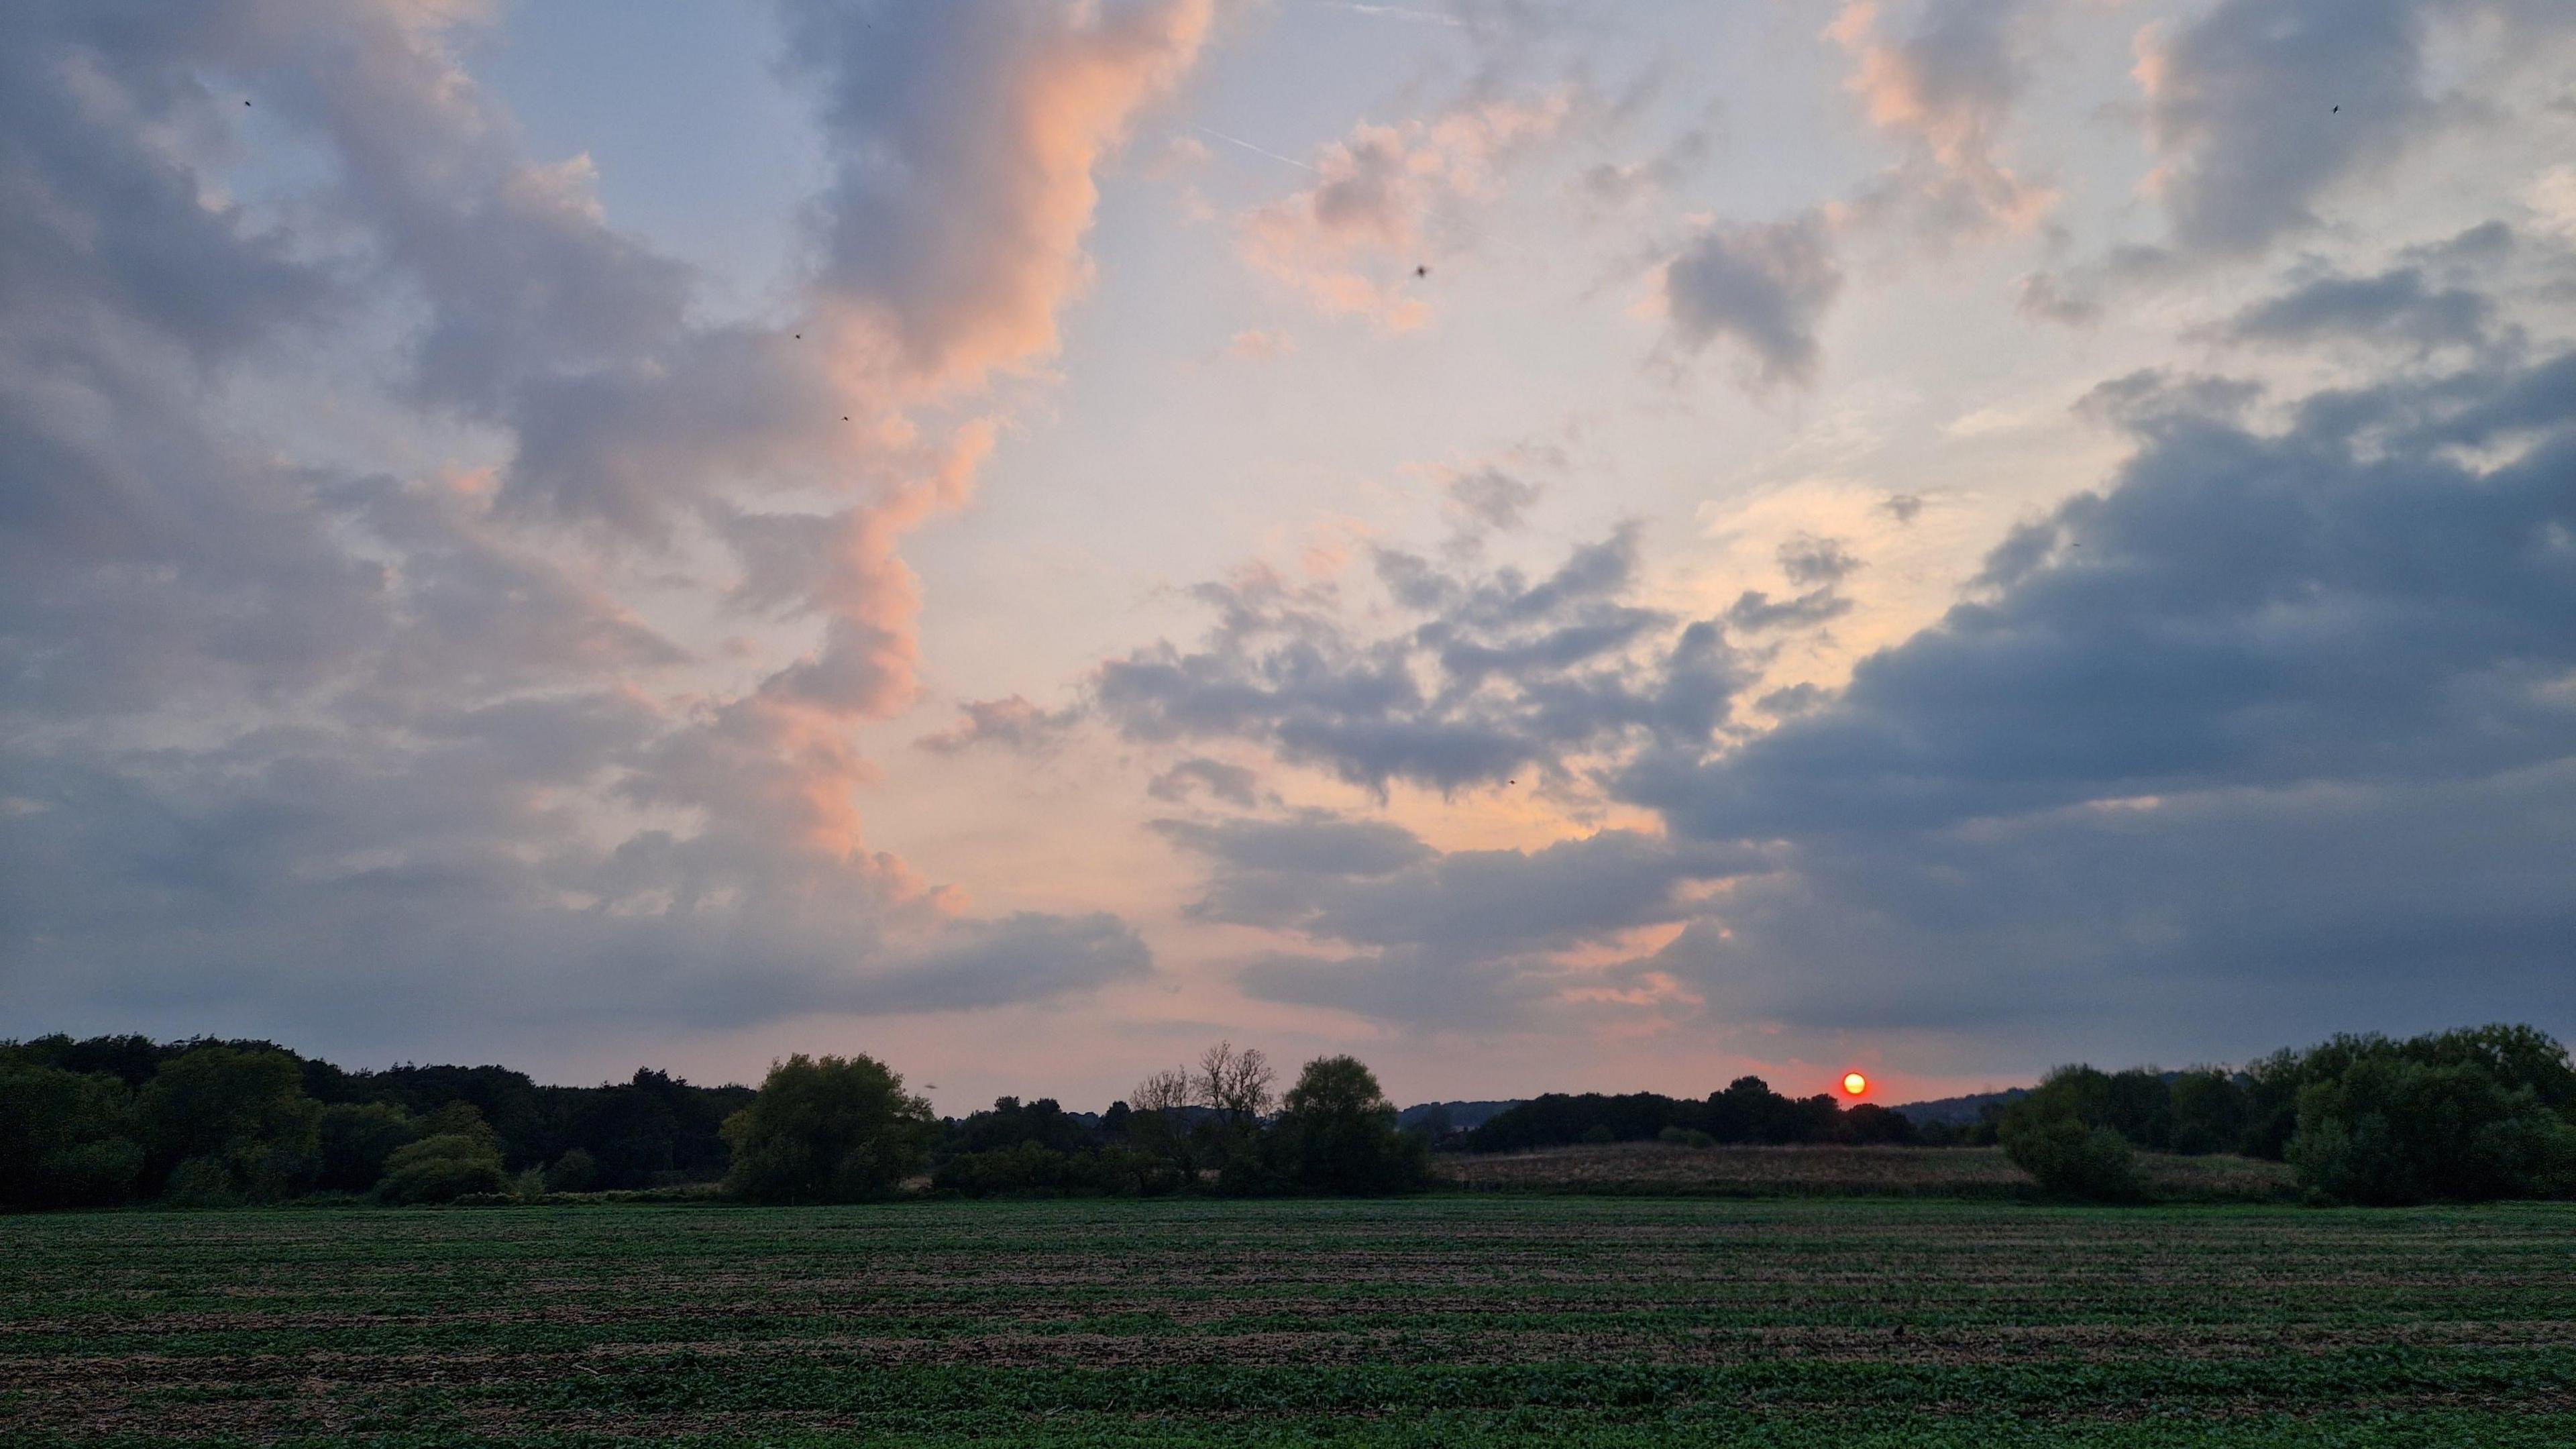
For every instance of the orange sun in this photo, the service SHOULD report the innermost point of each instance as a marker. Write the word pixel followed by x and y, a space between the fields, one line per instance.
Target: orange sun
pixel 1854 1083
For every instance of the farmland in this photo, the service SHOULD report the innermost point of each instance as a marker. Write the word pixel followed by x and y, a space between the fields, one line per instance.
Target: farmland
pixel 1442 1320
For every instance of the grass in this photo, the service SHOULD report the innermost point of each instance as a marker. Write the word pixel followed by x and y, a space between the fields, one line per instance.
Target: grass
pixel 1452 1320
pixel 1651 1168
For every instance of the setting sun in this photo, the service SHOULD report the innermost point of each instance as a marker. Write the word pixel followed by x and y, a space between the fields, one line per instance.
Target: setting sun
pixel 1854 1083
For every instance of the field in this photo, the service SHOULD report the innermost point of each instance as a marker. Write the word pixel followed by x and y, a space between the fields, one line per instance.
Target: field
pixel 1447 1320
pixel 1822 1171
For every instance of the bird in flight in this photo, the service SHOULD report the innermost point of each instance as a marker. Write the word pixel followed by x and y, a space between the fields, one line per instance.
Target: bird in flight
pixel 1422 271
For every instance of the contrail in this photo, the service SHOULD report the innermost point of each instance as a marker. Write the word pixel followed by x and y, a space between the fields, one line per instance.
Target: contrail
pixel 1248 146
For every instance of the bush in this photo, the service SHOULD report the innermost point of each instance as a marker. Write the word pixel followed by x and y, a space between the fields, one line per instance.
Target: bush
pixel 355 1141
pixel 2391 1130
pixel 201 1182
pixel 442 1169
pixel 827 1130
pixel 1034 1170
pixel 575 1171
pixel 1685 1137
pixel 2053 1144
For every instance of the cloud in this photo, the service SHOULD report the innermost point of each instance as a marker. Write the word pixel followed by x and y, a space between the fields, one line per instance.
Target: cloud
pixel 1491 497
pixel 1946 89
pixel 1010 724
pixel 1764 288
pixel 2394 307
pixel 1389 199
pixel 965 140
pixel 1439 939
pixel 1489 674
pixel 2274 714
pixel 1233 784
pixel 318 747
pixel 2258 108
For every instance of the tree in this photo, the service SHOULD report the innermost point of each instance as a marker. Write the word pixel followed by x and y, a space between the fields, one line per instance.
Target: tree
pixel 1165 1091
pixel 2393 1129
pixel 238 1112
pixel 1232 1082
pixel 2059 1135
pixel 66 1138
pixel 356 1139
pixel 827 1130
pixel 1336 1133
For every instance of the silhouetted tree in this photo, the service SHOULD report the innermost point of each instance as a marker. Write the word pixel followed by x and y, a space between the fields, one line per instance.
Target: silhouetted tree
pixel 241 1115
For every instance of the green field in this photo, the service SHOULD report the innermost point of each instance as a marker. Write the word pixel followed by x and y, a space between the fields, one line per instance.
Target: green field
pixel 1432 1321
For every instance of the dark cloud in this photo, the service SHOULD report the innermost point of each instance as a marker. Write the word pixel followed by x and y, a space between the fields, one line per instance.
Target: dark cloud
pixel 1903 507
pixel 1493 674
pixel 1764 288
pixel 2275 714
pixel 1754 610
pixel 2395 307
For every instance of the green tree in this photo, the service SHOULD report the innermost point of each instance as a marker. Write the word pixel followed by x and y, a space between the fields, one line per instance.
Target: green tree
pixel 2061 1135
pixel 355 1139
pixel 1336 1133
pixel 443 1168
pixel 827 1130
pixel 66 1138
pixel 240 1112
pixel 2391 1128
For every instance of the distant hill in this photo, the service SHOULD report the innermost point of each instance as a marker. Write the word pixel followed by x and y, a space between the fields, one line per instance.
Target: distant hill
pixel 1957 1111
pixel 1463 1116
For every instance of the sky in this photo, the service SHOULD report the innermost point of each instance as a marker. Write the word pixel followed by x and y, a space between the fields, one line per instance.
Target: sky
pixel 1547 545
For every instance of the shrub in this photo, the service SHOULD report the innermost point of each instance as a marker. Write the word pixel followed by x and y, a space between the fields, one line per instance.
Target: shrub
pixel 2051 1143
pixel 575 1171
pixel 1685 1137
pixel 355 1141
pixel 442 1169
pixel 827 1130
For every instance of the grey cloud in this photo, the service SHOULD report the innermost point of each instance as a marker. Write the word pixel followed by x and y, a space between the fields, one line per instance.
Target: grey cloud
pixel 2047 298
pixel 1755 610
pixel 2243 104
pixel 1011 724
pixel 1231 783
pixel 1498 673
pixel 1764 287
pixel 2245 611
pixel 1440 939
pixel 1903 507
pixel 294 748
pixel 1808 559
pixel 1491 496
pixel 2392 307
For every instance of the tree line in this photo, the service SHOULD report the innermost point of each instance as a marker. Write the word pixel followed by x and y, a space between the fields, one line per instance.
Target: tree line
pixel 2460 1116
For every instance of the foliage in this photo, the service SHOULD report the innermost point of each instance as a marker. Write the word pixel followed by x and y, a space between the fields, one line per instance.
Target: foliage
pixel 355 1139
pixel 2397 1127
pixel 66 1137
pixel 443 1168
pixel 1033 1170
pixel 827 1129
pixel 240 1111
pixel 1336 1133
pixel 2048 1135
pixel 1746 1111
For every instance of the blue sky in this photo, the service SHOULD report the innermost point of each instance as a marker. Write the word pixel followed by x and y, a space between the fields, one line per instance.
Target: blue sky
pixel 1546 545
